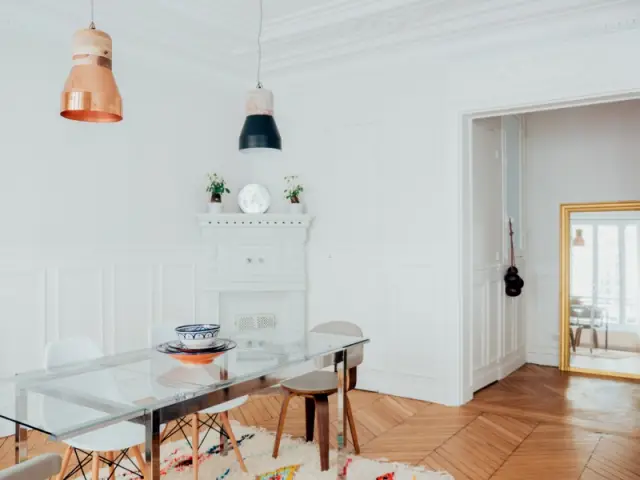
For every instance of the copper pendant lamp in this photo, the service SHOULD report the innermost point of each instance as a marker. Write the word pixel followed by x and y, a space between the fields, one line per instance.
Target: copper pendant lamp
pixel 260 131
pixel 90 93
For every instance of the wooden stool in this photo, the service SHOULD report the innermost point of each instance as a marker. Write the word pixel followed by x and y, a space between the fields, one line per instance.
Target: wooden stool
pixel 316 387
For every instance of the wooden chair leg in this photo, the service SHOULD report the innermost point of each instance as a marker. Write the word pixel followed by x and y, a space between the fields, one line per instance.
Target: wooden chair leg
pixel 322 409
pixel 310 416
pixel 112 468
pixel 352 427
pixel 283 413
pixel 137 454
pixel 95 466
pixel 594 336
pixel 195 442
pixel 232 438
pixel 222 440
pixel 65 463
pixel 572 340
pixel 578 335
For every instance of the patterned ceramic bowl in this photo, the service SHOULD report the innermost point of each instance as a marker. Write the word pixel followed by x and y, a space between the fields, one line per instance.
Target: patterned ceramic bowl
pixel 198 335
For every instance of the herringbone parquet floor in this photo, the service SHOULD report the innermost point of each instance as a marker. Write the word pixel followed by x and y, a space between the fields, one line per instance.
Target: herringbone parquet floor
pixel 536 424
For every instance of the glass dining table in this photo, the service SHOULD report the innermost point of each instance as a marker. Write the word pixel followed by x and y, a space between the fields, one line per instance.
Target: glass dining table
pixel 151 388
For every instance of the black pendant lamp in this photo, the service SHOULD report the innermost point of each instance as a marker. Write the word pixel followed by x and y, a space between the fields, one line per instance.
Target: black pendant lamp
pixel 260 130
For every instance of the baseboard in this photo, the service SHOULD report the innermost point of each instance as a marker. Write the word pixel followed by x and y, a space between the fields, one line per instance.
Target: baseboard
pixel 401 385
pixel 484 376
pixel 549 359
pixel 513 361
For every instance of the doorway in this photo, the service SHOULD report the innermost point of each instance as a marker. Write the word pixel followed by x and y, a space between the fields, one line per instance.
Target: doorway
pixel 497 347
pixel 530 329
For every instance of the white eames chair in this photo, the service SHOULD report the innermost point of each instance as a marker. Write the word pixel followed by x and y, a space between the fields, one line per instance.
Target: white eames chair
pixel 39 468
pixel 110 445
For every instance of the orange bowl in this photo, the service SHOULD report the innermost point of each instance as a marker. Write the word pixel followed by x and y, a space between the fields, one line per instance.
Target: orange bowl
pixel 198 359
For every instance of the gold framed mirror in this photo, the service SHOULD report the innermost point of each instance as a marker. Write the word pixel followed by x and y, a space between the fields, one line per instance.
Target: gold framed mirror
pixel 600 288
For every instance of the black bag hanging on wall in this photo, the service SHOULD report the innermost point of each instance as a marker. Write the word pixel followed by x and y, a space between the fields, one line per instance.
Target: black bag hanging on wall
pixel 513 282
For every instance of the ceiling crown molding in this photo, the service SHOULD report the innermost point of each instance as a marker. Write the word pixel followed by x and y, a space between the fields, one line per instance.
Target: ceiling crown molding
pixel 218 37
pixel 344 29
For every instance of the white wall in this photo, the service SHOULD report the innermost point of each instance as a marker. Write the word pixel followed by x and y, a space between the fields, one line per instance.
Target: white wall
pixel 586 154
pixel 378 141
pixel 99 234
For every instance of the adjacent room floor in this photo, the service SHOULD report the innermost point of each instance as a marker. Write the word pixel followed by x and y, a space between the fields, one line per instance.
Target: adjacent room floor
pixel 609 360
pixel 536 424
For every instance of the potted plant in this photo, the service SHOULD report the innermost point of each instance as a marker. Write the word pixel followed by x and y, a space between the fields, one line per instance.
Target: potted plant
pixel 292 193
pixel 217 188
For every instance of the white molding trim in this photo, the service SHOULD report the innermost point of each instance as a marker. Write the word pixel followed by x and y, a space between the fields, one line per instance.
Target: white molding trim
pixel 325 31
pixel 246 220
pixel 512 361
pixel 407 385
pixel 472 27
pixel 549 359
pixel 485 375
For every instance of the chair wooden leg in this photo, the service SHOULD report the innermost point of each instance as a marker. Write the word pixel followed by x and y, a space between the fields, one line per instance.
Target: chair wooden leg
pixel 322 409
pixel 283 413
pixel 65 463
pixel 310 416
pixel 572 340
pixel 352 427
pixel 578 336
pixel 112 468
pixel 594 336
pixel 222 440
pixel 195 442
pixel 95 466
pixel 137 454
pixel 232 438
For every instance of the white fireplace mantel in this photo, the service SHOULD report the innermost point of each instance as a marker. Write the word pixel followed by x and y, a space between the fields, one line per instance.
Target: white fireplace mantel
pixel 264 220
pixel 255 267
pixel 254 253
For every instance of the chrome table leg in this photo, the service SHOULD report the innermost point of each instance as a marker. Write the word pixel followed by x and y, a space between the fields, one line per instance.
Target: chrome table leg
pixel 152 446
pixel 342 417
pixel 21 448
pixel 21 443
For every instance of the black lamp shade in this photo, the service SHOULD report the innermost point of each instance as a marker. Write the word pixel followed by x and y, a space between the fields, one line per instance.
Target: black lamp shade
pixel 260 131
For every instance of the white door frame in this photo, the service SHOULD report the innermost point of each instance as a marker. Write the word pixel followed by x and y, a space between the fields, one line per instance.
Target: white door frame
pixel 465 214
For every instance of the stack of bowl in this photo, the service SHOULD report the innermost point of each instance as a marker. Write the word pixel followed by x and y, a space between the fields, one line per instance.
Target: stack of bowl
pixel 197 336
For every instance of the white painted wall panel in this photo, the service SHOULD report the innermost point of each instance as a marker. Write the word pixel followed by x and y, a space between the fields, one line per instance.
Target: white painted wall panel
pixel 133 306
pixel 80 303
pixel 23 316
pixel 178 294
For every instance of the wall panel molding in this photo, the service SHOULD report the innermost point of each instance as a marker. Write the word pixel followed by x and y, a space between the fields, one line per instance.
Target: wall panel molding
pixel 114 303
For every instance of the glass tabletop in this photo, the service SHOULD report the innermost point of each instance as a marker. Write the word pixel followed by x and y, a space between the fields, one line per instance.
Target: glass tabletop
pixel 77 398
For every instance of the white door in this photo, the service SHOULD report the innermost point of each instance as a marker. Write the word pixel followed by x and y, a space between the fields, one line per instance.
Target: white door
pixel 487 241
pixel 512 348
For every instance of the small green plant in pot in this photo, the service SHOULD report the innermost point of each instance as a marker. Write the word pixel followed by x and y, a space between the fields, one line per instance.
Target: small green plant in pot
pixel 292 193
pixel 217 188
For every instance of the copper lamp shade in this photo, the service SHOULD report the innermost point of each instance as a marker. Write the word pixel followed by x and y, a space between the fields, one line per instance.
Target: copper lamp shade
pixel 90 93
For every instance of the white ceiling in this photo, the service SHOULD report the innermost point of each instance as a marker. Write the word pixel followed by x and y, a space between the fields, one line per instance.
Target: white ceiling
pixel 298 32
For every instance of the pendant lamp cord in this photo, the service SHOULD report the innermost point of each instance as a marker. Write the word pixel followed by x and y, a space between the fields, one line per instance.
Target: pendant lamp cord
pixel 93 25
pixel 259 83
